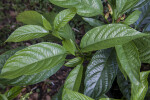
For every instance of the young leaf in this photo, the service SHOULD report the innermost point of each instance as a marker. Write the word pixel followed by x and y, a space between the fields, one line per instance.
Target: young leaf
pixel 128 56
pixel 33 18
pixel 132 18
pixel 74 79
pixel 120 4
pixel 138 92
pixel 33 59
pixel 50 17
pixel 100 73
pixel 27 32
pixel 30 18
pixel 46 24
pixel 107 36
pixel 67 33
pixel 74 62
pixel 93 22
pixel 69 95
pixel 63 18
pixel 69 45
pixel 124 85
pixel 32 79
pixel 13 92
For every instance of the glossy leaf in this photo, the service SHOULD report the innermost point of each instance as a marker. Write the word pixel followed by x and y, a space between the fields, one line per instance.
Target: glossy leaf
pixel 89 8
pixel 109 99
pixel 145 15
pixel 129 4
pixel 71 95
pixel 93 22
pixel 143 45
pixel 30 18
pixel 13 92
pixel 74 79
pixel 124 85
pixel 31 79
pixel 27 32
pixel 84 7
pixel 139 91
pixel 63 18
pixel 107 36
pixel 65 3
pixel 132 18
pixel 4 57
pixel 67 33
pixel 69 45
pixel 74 62
pixel 100 73
pixel 140 4
pixel 129 59
pixel 33 59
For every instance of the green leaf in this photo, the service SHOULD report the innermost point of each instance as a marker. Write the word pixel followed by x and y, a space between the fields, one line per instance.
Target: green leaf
pixel 120 4
pixel 128 56
pixel 65 3
pixel 69 45
pixel 74 79
pixel 139 91
pixel 107 36
pixel 128 5
pixel 69 95
pixel 50 16
pixel 89 8
pixel 33 59
pixel 145 15
pixel 13 92
pixel 124 85
pixel 74 62
pixel 67 33
pixel 143 45
pixel 32 79
pixel 147 28
pixel 93 22
pixel 100 73
pixel 132 18
pixel 27 32
pixel 109 99
pixel 3 97
pixel 140 4
pixel 30 17
pixel 46 24
pixel 86 8
pixel 4 57
pixel 63 18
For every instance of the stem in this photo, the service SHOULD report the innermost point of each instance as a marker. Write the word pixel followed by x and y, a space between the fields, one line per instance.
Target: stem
pixel 79 49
